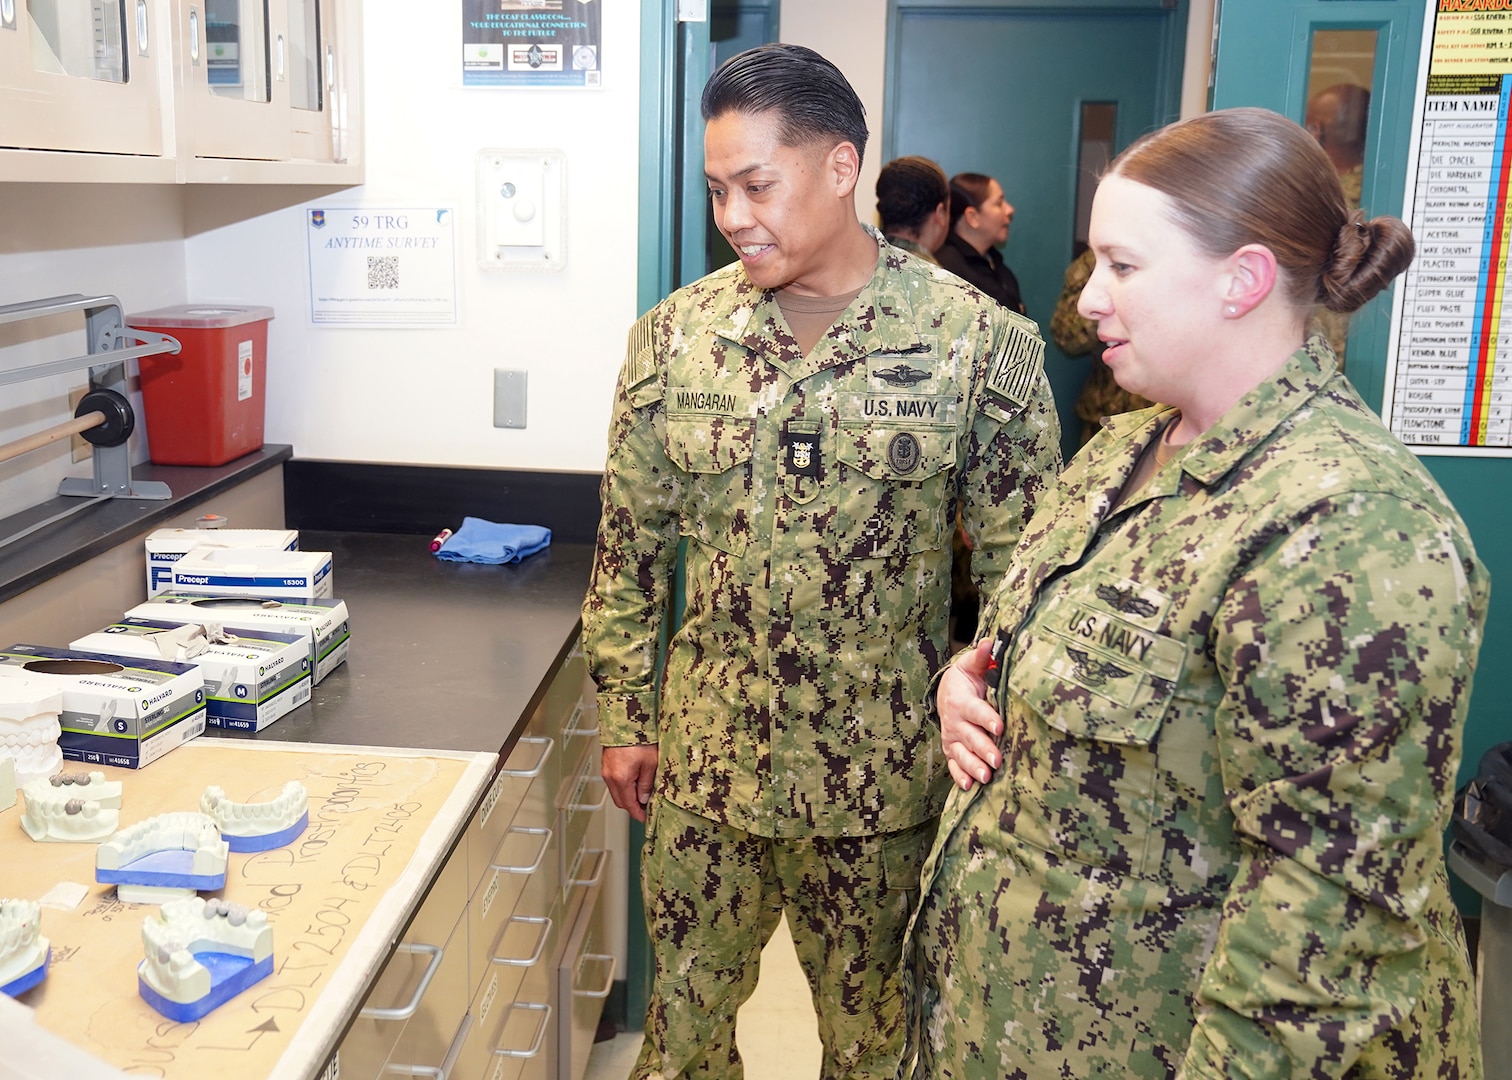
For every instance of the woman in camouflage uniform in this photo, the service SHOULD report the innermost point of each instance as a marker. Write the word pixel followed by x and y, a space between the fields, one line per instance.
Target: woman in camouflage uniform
pixel 1205 750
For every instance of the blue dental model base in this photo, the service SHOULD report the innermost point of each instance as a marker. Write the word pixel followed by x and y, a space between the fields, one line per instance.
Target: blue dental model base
pixel 172 869
pixel 268 841
pixel 229 976
pixel 23 983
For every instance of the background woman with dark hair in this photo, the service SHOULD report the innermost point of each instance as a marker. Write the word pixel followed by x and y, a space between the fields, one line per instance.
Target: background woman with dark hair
pixel 1205 749
pixel 979 219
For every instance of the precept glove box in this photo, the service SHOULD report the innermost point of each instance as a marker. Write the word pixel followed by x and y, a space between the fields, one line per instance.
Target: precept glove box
pixel 167 546
pixel 117 710
pixel 250 680
pixel 281 575
pixel 321 622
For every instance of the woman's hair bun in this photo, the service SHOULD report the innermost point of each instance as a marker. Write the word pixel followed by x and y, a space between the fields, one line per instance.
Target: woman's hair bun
pixel 1366 256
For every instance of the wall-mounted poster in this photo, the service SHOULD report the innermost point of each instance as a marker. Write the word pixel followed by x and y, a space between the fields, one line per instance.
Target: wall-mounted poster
pixel 1449 372
pixel 532 43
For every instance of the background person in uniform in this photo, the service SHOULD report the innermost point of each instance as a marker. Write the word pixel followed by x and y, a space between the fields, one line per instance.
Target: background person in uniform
pixel 979 221
pixel 810 419
pixel 913 203
pixel 1100 394
pixel 1337 118
pixel 1206 752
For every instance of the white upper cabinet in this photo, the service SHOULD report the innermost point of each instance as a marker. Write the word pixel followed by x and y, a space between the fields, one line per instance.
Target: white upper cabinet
pixel 196 91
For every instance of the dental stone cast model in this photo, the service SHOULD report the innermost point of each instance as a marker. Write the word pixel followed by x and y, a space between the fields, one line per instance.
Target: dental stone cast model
pixel 171 851
pixel 24 952
pixel 29 729
pixel 71 807
pixel 200 954
pixel 259 826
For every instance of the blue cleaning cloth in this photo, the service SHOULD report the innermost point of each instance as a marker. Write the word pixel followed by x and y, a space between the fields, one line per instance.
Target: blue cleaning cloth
pixel 482 541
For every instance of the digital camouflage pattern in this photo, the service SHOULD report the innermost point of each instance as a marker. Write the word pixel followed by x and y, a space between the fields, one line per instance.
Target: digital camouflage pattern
pixel 1100 393
pixel 905 244
pixel 1234 711
pixel 817 494
pixel 847 899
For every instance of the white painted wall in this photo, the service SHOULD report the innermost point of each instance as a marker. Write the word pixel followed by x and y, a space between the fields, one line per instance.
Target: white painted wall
pixel 425 396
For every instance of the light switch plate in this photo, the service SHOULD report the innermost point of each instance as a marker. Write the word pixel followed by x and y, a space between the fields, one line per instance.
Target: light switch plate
pixel 522 209
pixel 509 398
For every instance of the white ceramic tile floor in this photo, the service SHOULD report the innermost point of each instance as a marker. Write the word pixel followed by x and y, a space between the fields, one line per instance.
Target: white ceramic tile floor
pixel 776 1031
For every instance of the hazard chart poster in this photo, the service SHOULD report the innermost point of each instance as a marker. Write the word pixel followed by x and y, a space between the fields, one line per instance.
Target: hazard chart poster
pixel 1449 376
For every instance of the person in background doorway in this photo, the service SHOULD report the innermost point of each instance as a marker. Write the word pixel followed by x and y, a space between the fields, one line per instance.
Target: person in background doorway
pixel 1337 118
pixel 1100 395
pixel 979 220
pixel 1205 749
pixel 809 420
pixel 913 203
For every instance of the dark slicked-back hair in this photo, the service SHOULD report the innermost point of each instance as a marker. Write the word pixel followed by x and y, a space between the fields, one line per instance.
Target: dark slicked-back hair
pixel 806 91
pixel 967 189
pixel 908 190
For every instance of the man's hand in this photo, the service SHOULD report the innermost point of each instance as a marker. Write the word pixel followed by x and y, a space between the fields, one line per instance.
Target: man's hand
pixel 630 772
pixel 968 725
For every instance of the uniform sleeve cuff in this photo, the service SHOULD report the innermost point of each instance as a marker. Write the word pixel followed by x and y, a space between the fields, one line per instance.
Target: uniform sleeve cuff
pixel 627 719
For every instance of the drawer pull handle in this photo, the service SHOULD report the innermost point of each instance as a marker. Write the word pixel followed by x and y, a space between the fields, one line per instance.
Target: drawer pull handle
pixel 545 835
pixel 535 770
pixel 598 870
pixel 573 731
pixel 534 958
pixel 603 798
pixel 608 983
pixel 540 1035
pixel 452 1054
pixel 404 1012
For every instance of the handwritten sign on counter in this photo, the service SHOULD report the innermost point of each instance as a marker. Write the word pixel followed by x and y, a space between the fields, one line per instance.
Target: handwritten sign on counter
pixel 381 823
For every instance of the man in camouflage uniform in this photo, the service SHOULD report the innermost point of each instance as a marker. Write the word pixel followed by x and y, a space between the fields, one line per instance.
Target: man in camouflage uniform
pixel 1100 394
pixel 1233 703
pixel 810 422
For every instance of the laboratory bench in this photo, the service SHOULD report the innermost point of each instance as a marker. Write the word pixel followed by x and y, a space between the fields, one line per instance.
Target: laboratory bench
pixel 492 949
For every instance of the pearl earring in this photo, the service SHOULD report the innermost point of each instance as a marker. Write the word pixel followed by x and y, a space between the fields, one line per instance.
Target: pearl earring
pixel 1232 309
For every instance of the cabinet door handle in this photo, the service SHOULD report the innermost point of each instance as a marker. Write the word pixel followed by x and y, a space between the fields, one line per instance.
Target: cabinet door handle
pixel 591 807
pixel 598 870
pixel 278 56
pixel 452 1054
pixel 540 855
pixel 141 27
pixel 535 770
pixel 608 983
pixel 540 1035
pixel 404 1012
pixel 194 41
pixel 534 958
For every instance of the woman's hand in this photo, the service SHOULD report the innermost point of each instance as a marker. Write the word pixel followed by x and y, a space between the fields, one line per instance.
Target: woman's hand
pixel 969 727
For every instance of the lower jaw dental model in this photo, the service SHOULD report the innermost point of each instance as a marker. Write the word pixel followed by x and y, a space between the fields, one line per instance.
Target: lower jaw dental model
pixel 24 952
pixel 71 807
pixel 200 954
pixel 171 855
pixel 259 826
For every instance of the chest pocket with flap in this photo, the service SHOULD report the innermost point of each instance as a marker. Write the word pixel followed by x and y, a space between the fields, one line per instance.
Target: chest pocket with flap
pixel 715 452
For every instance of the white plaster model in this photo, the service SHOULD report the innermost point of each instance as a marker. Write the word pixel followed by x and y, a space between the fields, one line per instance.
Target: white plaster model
pixel 256 819
pixel 182 928
pixel 29 730
pixel 8 783
pixel 22 946
pixel 181 831
pixel 71 807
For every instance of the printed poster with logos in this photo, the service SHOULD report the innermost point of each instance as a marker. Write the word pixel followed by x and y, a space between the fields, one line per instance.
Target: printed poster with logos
pixel 1449 373
pixel 531 43
pixel 382 266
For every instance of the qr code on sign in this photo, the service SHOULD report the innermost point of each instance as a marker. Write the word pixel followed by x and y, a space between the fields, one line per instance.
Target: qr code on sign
pixel 383 271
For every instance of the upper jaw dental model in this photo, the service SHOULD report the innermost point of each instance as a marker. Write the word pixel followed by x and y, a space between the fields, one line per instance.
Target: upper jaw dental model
pixel 258 826
pixel 171 855
pixel 200 954
pixel 71 807
pixel 24 952
pixel 29 729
